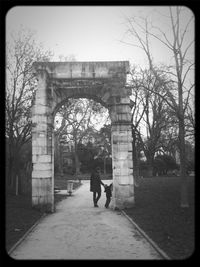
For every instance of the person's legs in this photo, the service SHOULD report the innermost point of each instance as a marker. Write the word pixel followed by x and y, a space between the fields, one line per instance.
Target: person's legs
pixel 98 197
pixel 94 198
pixel 108 199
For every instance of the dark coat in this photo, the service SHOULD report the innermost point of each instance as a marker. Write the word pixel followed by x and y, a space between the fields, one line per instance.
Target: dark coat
pixel 108 190
pixel 95 182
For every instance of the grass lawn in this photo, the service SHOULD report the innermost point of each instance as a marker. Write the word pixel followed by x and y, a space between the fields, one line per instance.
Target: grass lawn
pixel 157 212
pixel 20 216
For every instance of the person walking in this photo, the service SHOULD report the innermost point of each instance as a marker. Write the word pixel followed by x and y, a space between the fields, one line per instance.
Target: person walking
pixel 108 191
pixel 95 185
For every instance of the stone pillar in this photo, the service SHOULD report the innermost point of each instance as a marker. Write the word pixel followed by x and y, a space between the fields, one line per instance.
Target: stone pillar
pixel 122 163
pixel 42 157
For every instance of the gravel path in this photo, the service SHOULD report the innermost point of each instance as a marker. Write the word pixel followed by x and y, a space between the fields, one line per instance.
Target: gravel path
pixel 77 230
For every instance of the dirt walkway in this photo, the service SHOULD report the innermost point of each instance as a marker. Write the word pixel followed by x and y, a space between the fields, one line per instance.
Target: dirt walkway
pixel 77 230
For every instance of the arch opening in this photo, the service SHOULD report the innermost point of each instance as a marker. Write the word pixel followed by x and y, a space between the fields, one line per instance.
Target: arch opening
pixel 80 123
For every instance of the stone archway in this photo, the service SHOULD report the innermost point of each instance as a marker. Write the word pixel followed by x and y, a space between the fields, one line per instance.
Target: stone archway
pixel 101 81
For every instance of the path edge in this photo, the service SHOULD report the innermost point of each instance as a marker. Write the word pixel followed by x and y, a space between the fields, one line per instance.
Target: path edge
pixel 25 235
pixel 155 246
pixel 30 230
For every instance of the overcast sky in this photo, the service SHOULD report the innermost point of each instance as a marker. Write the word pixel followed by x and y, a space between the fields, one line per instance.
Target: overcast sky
pixel 90 33
pixel 93 33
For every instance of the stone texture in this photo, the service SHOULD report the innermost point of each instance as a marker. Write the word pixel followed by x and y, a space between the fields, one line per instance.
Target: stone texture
pixel 69 70
pixel 102 81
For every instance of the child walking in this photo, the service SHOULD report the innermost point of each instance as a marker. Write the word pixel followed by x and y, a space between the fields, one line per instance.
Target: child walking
pixel 108 191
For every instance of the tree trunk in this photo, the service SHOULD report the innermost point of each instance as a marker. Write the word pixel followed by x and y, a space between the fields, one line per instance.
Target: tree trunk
pixel 184 183
pixel 61 160
pixel 17 185
pixel 104 165
pixel 13 163
pixel 12 173
pixel 58 156
pixel 150 170
pixel 77 162
pixel 10 167
pixel 150 165
pixel 184 186
pixel 135 159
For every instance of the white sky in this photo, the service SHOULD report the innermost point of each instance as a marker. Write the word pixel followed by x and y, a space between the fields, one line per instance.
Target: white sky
pixel 90 33
pixel 93 33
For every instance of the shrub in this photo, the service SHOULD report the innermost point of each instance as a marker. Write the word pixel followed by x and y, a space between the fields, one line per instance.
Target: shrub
pixel 163 164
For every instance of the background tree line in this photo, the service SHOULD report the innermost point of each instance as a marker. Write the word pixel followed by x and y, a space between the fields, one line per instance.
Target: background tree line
pixel 162 107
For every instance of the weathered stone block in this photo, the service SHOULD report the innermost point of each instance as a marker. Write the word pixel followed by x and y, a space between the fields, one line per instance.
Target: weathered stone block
pixel 130 163
pixel 124 117
pixel 130 146
pixel 123 109
pixel 41 94
pixel 130 157
pixel 35 201
pixel 41 158
pixel 39 142
pixel 120 138
pixel 122 156
pixel 123 191
pixel 122 170
pixel 113 116
pixel 124 147
pixel 84 69
pixel 123 196
pixel 126 179
pixel 116 172
pixel 39 150
pixel 41 118
pixel 125 100
pixel 42 127
pixel 41 109
pixel 41 173
pixel 117 128
pixel 44 166
pixel 106 96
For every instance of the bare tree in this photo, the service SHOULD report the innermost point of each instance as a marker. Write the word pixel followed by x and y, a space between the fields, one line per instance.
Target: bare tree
pixel 21 52
pixel 79 117
pixel 179 45
pixel 190 121
pixel 150 111
pixel 169 136
pixel 137 112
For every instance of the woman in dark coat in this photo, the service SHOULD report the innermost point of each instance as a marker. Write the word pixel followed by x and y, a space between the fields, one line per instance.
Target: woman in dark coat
pixel 95 185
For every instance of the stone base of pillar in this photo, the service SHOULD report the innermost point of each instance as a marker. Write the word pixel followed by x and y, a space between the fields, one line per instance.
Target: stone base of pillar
pixel 119 203
pixel 42 194
pixel 123 197
pixel 43 207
